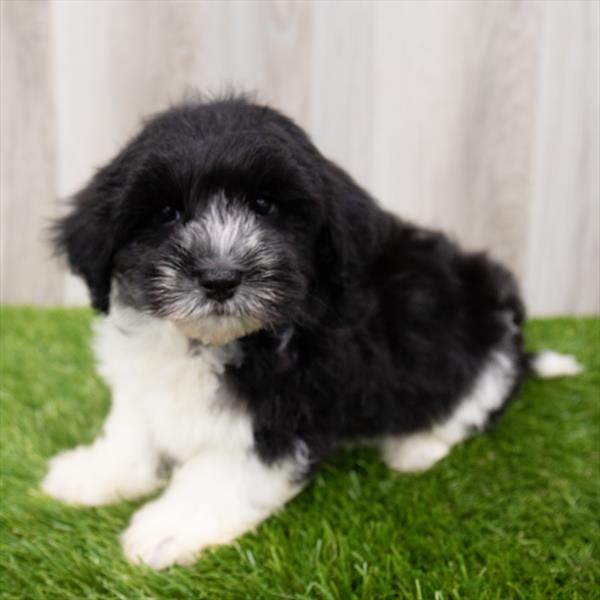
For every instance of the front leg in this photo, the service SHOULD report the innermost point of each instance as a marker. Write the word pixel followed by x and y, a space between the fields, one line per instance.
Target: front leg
pixel 120 464
pixel 212 499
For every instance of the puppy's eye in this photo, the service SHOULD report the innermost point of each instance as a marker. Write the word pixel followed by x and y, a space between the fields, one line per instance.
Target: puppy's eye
pixel 262 205
pixel 167 215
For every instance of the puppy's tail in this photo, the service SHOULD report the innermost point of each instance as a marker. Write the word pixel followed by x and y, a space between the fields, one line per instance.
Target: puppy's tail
pixel 547 364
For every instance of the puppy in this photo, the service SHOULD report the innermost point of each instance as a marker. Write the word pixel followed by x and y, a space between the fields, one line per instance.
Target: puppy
pixel 258 309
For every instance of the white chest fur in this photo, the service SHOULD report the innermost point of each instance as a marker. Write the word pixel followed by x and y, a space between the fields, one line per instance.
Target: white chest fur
pixel 170 401
pixel 173 391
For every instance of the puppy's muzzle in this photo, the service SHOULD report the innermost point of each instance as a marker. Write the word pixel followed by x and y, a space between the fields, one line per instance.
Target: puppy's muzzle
pixel 219 284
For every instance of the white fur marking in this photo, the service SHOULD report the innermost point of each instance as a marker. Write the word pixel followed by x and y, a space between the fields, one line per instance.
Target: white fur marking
pixel 548 364
pixel 101 473
pixel 169 402
pixel 415 452
pixel 212 499
pixel 421 450
pixel 228 228
pixel 215 330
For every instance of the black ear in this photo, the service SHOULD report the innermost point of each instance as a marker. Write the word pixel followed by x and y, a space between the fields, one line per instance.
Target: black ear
pixel 88 236
pixel 354 230
pixel 345 242
pixel 333 245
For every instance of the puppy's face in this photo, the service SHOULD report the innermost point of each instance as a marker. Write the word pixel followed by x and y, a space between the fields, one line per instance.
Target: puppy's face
pixel 219 260
pixel 219 241
pixel 216 217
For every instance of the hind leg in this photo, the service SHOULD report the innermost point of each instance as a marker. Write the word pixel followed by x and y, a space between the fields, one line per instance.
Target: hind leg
pixel 414 452
pixel 420 450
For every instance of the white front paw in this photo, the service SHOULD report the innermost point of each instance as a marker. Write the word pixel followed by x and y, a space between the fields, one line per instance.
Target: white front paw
pixel 87 476
pixel 73 478
pixel 160 535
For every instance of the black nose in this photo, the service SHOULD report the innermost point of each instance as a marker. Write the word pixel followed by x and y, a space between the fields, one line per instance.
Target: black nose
pixel 220 284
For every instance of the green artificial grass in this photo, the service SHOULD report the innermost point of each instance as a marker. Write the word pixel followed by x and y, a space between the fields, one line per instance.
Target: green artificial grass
pixel 511 514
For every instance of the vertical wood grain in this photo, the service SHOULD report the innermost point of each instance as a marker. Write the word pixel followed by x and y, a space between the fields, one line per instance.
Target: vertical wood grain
pixel 28 161
pixel 480 118
pixel 563 272
pixel 114 62
pixel 453 118
pixel 340 118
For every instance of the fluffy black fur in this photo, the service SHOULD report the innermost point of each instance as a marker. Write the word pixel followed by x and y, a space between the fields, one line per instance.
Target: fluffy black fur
pixel 380 327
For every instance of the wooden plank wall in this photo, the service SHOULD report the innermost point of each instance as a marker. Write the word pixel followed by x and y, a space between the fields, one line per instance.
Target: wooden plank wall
pixel 481 118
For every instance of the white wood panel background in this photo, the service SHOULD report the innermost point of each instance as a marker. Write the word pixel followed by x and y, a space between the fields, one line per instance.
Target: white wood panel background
pixel 478 117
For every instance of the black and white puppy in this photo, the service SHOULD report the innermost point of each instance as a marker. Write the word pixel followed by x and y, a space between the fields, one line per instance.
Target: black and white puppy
pixel 259 309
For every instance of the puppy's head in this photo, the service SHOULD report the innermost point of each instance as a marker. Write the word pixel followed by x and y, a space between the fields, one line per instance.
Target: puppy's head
pixel 213 217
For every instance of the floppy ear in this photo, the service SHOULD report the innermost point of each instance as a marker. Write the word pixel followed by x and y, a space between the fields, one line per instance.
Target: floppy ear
pixel 354 229
pixel 87 235
pixel 333 247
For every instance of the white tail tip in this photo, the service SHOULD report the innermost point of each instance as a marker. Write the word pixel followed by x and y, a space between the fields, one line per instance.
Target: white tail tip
pixel 548 364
